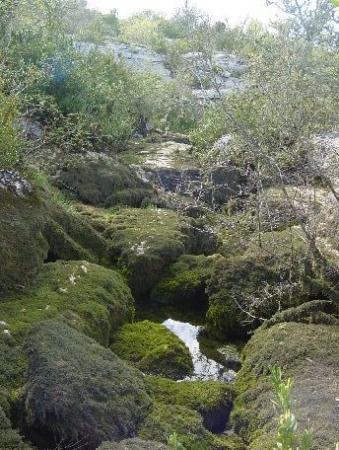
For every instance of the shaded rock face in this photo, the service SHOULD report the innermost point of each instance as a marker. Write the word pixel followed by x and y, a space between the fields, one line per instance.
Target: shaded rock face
pixel 78 391
pixel 171 170
pixel 102 181
pixel 138 57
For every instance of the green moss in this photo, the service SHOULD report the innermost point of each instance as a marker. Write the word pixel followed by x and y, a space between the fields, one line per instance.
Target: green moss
pixel 38 227
pixel 211 399
pixel 309 354
pixel 316 311
pixel 70 237
pixel 134 197
pixel 185 282
pixel 167 419
pixel 102 181
pixel 23 247
pixel 98 298
pixel 269 275
pixel 152 348
pixel 79 391
pixel 143 242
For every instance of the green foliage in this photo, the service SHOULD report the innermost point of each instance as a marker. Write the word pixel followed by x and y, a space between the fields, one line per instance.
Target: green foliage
pixel 77 390
pixel 246 289
pixel 287 427
pixel 144 28
pixel 9 438
pixel 9 140
pixel 152 348
pixel 174 443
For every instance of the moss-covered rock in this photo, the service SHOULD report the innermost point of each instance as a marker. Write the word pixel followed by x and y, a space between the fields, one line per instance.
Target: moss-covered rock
pixel 185 282
pixel 133 444
pixel 9 438
pixel 248 288
pixel 143 242
pixel 23 247
pixel 152 348
pixel 309 354
pixel 211 399
pixel 167 419
pixel 102 181
pixel 315 311
pixel 91 298
pixel 78 391
pixel 36 227
pixel 70 236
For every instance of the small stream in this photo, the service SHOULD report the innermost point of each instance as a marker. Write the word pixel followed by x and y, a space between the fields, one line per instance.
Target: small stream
pixel 204 367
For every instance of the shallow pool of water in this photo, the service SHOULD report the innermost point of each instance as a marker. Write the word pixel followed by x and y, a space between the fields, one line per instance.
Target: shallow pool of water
pixel 204 367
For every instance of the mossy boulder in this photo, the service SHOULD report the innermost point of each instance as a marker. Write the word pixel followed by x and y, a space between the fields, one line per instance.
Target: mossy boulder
pixel 38 226
pixel 9 438
pixel 23 247
pixel 153 349
pixel 78 391
pixel 211 399
pixel 133 444
pixel 166 420
pixel 143 242
pixel 102 181
pixel 309 354
pixel 91 298
pixel 185 282
pixel 71 237
pixel 248 288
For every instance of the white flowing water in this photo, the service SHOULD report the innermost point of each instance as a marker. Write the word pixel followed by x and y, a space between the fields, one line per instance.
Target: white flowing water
pixel 204 367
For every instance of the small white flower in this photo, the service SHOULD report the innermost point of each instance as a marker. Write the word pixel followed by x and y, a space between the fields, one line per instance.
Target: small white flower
pixel 3 323
pixel 7 333
pixel 72 279
pixel 63 290
pixel 84 268
pixel 23 310
pixel 47 307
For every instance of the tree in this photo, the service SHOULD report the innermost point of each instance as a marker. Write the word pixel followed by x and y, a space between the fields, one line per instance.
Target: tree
pixel 316 21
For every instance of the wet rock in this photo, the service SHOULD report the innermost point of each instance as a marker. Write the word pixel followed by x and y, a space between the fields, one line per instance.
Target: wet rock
pixel 230 357
pixel 170 169
pixel 224 183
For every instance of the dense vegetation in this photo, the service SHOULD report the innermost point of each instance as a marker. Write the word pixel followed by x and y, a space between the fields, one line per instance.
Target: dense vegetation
pixel 204 187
